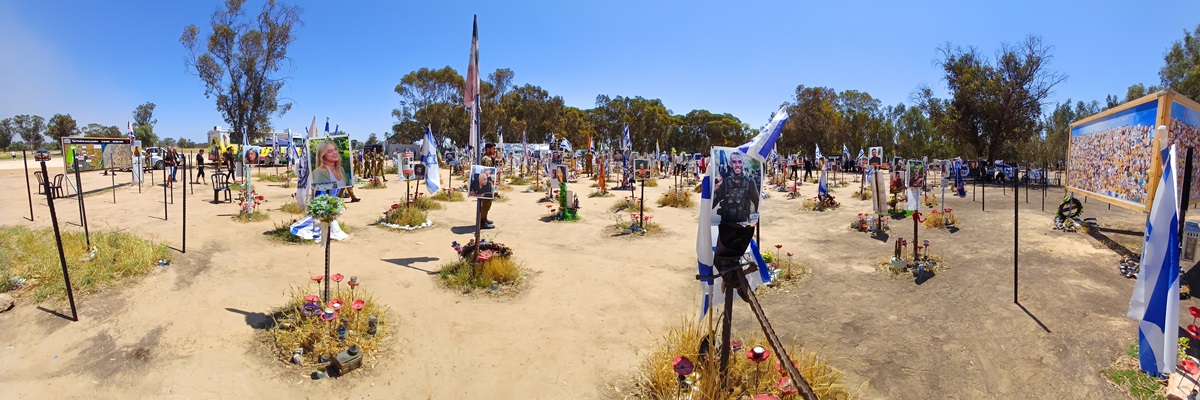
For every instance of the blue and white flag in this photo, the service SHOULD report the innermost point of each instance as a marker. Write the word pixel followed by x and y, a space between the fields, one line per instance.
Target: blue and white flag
pixel 565 145
pixel 429 158
pixel 626 143
pixel 326 126
pixel 819 156
pixel 1155 300
pixel 500 137
pixel 845 151
pixel 129 127
pixel 823 184
pixel 762 144
pixel 861 154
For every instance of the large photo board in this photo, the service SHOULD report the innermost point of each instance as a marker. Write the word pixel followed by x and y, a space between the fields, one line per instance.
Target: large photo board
pixel 1110 157
pixel 1185 132
pixel 94 154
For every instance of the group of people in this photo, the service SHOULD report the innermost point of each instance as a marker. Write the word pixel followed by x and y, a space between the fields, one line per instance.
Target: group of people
pixel 371 163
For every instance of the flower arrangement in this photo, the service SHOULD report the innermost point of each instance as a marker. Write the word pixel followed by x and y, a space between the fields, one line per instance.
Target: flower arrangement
pixel 248 202
pixel 676 198
pixel 820 203
pixel 940 219
pixel 492 267
pixel 860 223
pixel 308 332
pixel 326 208
pixel 567 207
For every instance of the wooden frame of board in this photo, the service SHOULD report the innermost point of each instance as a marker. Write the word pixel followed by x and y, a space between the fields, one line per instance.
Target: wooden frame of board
pixel 1165 100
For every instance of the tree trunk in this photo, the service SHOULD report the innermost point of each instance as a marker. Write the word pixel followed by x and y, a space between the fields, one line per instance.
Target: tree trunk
pixel 326 230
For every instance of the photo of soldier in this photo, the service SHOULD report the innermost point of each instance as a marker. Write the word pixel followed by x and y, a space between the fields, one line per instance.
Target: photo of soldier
pixel 737 185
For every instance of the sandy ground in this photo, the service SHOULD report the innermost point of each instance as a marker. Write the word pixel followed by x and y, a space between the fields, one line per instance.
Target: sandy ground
pixel 594 306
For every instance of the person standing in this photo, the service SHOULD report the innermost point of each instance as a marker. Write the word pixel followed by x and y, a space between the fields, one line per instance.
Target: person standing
pixel 485 205
pixel 170 160
pixel 808 168
pixel 200 167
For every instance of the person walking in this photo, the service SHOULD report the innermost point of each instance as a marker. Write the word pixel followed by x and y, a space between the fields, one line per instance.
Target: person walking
pixel 808 168
pixel 200 168
pixel 485 205
pixel 170 161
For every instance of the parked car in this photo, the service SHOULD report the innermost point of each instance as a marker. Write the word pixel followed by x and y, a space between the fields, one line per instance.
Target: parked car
pixel 154 157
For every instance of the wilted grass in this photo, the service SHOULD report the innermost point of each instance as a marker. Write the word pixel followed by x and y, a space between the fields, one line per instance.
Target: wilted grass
pixel 426 203
pixel 651 183
pixel 930 201
pixel 597 193
pixel 519 181
pixel 658 379
pixel 623 223
pixel 499 270
pixel 291 207
pixel 268 178
pixel 282 232
pixel 862 194
pixel 676 198
pixel 938 220
pixel 627 204
pixel 253 216
pixel 290 329
pixel 537 187
pixel 405 216
pixel 33 255
pixel 451 196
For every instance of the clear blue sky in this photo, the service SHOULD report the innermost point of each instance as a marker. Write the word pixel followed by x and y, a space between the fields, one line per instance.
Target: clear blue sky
pixel 97 60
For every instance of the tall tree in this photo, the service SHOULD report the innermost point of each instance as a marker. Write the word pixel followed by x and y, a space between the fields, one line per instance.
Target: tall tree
pixel 996 105
pixel 97 130
pixel 61 126
pixel 240 62
pixel 30 127
pixel 433 98
pixel 7 132
pixel 1136 91
pixel 143 124
pixel 1181 70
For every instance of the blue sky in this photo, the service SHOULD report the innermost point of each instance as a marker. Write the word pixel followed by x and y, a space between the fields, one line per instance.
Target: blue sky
pixel 99 60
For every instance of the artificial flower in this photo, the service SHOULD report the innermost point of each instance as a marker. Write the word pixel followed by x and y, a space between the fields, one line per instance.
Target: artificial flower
pixel 358 305
pixel 312 298
pixel 785 386
pixel 329 314
pixel 318 278
pixel 336 278
pixel 336 304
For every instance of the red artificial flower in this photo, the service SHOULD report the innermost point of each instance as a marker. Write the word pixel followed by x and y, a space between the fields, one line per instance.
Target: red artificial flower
pixel 484 255
pixel 789 254
pixel 336 278
pixel 758 357
pixel 318 278
pixel 395 206
pixel 779 246
pixel 336 304
pixel 358 304
pixel 312 298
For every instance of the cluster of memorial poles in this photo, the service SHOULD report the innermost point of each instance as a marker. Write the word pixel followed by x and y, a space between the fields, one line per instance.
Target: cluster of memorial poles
pixel 79 194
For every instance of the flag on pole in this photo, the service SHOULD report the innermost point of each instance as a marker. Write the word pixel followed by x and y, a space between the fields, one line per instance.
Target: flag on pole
pixel 626 143
pixel 823 184
pixel 430 159
pixel 845 151
pixel 655 149
pixel 861 154
pixel 565 145
pixel 129 128
pixel 760 146
pixel 819 156
pixel 1155 300
pixel 500 136
pixel 472 90
pixel 591 146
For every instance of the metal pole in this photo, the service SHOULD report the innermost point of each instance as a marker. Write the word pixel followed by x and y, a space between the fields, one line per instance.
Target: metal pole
pixel 1016 242
pixel 983 197
pixel 82 208
pixel 113 172
pixel 165 184
pixel 1187 192
pixel 185 193
pixel 642 206
pixel 28 187
pixel 62 258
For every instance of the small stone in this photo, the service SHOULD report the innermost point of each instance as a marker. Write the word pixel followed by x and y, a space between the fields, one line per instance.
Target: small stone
pixel 6 302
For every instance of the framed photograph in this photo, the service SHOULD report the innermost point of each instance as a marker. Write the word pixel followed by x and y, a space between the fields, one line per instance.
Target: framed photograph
pixel 483 182
pixel 916 173
pixel 641 168
pixel 330 162
pixel 251 155
pixel 736 187
pixel 875 156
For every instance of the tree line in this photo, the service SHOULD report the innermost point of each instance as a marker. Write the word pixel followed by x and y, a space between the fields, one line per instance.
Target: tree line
pixel 30 132
pixel 996 108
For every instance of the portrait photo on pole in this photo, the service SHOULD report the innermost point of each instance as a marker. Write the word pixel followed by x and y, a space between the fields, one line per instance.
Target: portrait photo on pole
pixel 916 173
pixel 330 163
pixel 217 141
pixel 875 156
pixel 736 186
pixel 641 168
pixel 251 155
pixel 483 182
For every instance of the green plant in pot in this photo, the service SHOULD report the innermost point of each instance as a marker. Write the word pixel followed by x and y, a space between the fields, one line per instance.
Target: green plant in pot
pixel 326 208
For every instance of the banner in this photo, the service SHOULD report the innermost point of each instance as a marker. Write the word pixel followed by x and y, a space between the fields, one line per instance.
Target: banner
pixel 1111 156
pixel 96 154
pixel 329 159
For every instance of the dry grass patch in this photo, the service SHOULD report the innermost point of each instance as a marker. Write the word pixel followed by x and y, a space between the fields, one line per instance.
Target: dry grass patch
pixel 31 254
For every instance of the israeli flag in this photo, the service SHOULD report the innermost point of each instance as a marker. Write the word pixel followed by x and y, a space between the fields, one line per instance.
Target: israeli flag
pixel 626 143
pixel 861 154
pixel 845 151
pixel 762 144
pixel 1155 300
pixel 429 158
pixel 565 145
pixel 823 184
pixel 819 156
